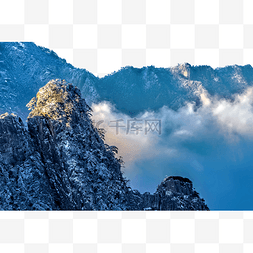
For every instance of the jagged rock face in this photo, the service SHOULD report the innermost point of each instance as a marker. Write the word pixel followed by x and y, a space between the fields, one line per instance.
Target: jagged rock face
pixel 174 193
pixel 62 163
pixel 23 181
pixel 86 175
pixel 174 185
pixel 177 193
pixel 13 139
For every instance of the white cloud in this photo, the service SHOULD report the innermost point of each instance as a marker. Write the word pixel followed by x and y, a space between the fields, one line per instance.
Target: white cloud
pixel 214 122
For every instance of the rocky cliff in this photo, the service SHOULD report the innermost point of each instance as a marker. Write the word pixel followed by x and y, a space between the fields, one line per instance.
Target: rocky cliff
pixel 174 193
pixel 60 162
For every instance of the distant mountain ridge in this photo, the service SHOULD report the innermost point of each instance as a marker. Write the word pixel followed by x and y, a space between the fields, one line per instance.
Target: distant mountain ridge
pixel 60 162
pixel 25 67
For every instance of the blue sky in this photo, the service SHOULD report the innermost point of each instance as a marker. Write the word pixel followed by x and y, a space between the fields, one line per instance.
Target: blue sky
pixel 212 146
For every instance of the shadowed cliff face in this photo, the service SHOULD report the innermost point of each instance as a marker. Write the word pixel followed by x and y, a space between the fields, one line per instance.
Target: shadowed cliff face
pixel 23 179
pixel 61 162
pixel 13 141
pixel 174 193
pixel 177 193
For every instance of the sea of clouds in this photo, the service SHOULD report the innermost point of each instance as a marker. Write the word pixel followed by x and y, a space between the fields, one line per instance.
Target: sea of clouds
pixel 211 144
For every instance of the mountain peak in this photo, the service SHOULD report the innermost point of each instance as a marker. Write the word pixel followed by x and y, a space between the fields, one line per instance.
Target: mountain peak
pixel 183 69
pixel 185 65
pixel 57 100
pixel 183 179
pixel 176 184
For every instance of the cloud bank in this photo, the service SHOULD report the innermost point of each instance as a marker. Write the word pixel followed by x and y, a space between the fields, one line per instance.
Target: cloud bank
pixel 211 144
